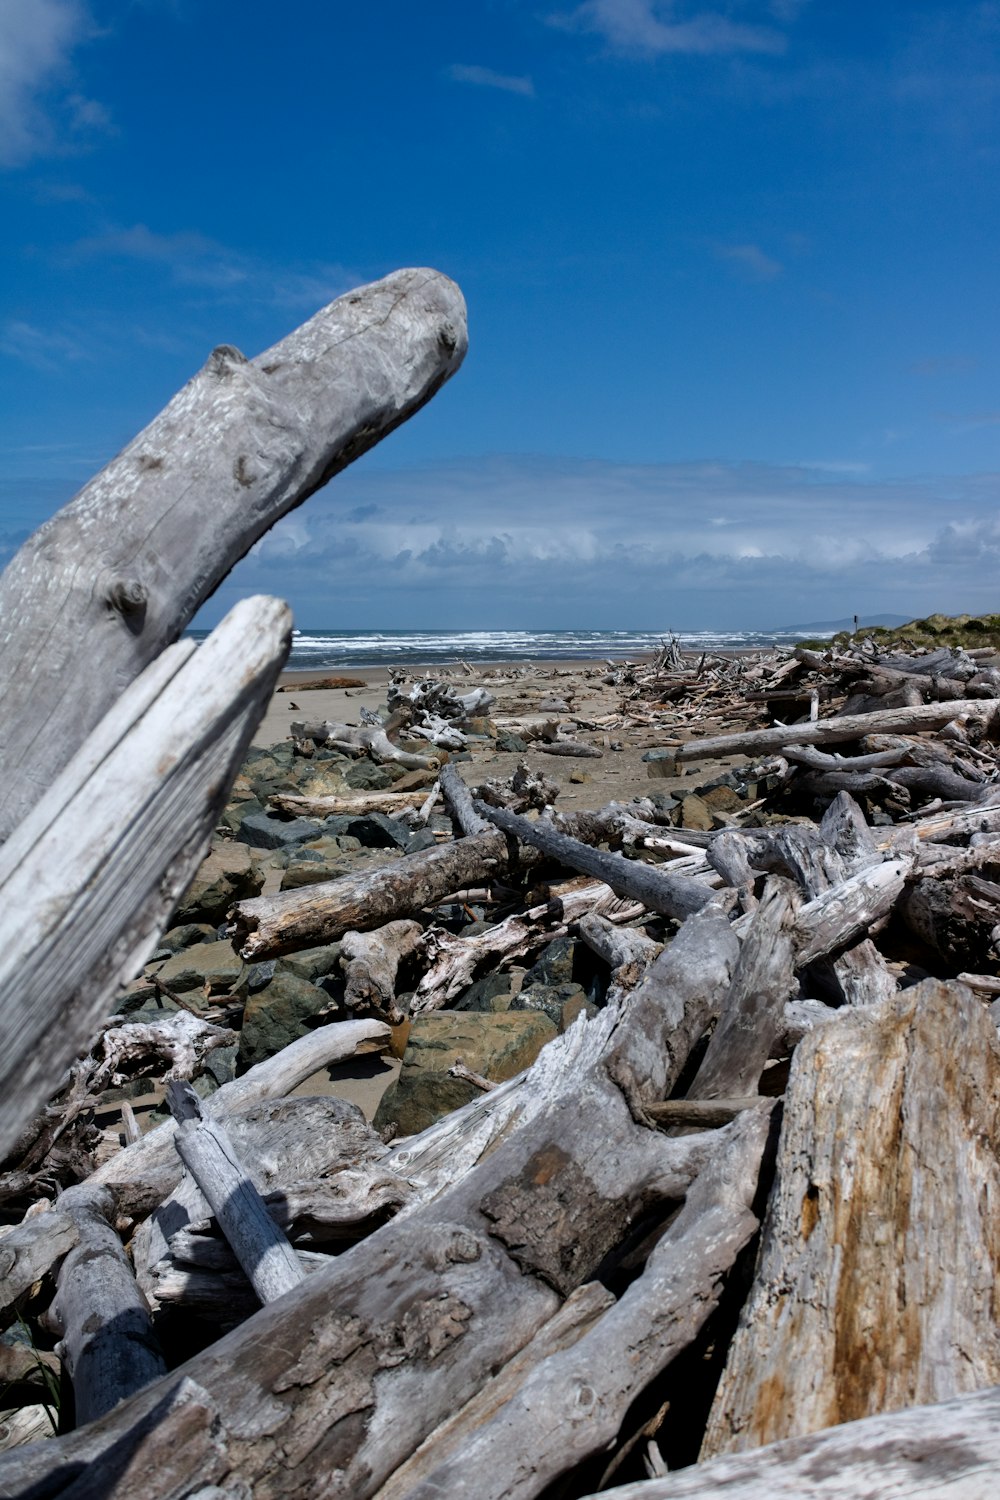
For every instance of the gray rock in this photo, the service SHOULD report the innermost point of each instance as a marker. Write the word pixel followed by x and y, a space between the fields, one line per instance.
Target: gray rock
pixel 277 1015
pixel 491 993
pixel 550 999
pixel 366 776
pixel 497 1046
pixel 267 830
pixel 511 743
pixel 216 964
pixel 227 874
pixel 177 938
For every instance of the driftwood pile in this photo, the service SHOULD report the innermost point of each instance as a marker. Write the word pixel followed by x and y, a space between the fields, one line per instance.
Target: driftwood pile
pixel 751 1197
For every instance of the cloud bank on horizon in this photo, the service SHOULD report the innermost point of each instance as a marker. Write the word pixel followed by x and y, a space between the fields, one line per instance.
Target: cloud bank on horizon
pixel 734 346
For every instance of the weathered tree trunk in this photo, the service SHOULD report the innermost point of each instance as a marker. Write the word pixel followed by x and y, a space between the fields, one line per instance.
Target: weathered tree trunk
pixel 572 1404
pixel 751 1013
pixel 363 739
pixel 360 803
pixel 876 1283
pixel 108 1344
pixel 270 925
pixel 946 1452
pixel 831 731
pixel 91 876
pixel 243 443
pixel 371 960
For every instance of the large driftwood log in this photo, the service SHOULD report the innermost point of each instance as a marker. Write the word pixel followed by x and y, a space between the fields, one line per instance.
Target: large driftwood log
pixel 945 1452
pixel 432 1303
pixel 270 925
pixel 670 895
pixel 89 879
pixel 831 731
pixel 367 739
pixel 573 1403
pixel 360 803
pixel 243 443
pixel 876 1283
pixel 108 1344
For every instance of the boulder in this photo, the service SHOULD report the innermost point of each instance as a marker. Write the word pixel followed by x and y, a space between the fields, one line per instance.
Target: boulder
pixel 498 1046
pixel 228 874
pixel 266 830
pixel 216 964
pixel 276 1015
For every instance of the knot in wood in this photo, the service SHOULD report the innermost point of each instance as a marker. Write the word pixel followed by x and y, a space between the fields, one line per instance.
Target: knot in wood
pixel 455 1247
pixel 224 360
pixel 129 596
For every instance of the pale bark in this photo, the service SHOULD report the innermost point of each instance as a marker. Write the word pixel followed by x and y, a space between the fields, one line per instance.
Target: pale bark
pixel 270 925
pixel 98 592
pixel 945 1452
pixel 371 960
pixel 875 1288
pixel 89 880
pixel 205 1148
pixel 830 731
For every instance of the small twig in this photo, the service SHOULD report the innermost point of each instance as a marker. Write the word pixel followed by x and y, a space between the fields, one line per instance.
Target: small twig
pixel 459 1070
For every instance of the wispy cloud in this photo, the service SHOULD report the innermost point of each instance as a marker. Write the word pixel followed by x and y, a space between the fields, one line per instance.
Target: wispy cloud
pixel 37 39
pixel 488 79
pixel 193 259
pixel 943 364
pixel 41 349
pixel 654 28
pixel 750 262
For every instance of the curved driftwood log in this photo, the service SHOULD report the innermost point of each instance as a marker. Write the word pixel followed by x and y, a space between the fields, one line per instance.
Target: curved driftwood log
pixel 242 444
pixel 90 878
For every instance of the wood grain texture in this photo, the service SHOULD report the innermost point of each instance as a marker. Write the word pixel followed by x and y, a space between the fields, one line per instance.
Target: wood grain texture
pixel 876 1286
pixel 108 1344
pixel 93 873
pixel 945 1452
pixel 97 593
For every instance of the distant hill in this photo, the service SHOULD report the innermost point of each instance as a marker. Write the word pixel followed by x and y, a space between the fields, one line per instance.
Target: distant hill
pixel 831 627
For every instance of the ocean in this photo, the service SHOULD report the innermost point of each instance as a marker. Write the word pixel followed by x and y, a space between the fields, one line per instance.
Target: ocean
pixel 315 649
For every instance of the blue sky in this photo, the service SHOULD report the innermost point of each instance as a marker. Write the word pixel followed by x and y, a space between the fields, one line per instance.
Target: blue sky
pixel 731 271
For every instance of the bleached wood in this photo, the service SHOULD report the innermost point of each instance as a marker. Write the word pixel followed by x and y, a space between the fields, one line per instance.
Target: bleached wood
pixel 403 1327
pixel 95 870
pixel 108 1344
pixel 751 1013
pixel 572 1404
pixel 360 803
pixel 454 959
pixel 143 1174
pixel 371 960
pixel 875 1288
pixel 205 1148
pixel 946 1452
pixel 270 925
pixel 830 731
pixel 242 443
pixel 458 800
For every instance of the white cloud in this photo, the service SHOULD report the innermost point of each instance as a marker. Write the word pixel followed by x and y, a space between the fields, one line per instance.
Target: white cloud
pixel 565 543
pixel 37 38
pixel 487 78
pixel 651 28
pixel 750 261
pixel 39 348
